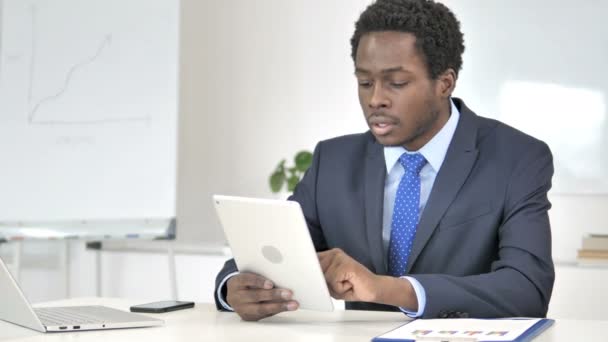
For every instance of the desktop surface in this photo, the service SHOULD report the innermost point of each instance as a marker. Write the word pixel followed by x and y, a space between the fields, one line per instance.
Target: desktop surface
pixel 204 323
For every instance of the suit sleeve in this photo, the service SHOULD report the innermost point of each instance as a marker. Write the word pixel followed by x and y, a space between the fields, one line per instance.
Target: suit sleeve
pixel 521 279
pixel 229 268
pixel 305 195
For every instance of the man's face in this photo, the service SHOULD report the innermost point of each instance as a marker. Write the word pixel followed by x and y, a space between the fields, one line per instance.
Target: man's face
pixel 402 105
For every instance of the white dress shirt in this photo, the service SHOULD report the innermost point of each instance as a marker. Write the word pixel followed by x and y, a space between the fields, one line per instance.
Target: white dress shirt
pixel 434 152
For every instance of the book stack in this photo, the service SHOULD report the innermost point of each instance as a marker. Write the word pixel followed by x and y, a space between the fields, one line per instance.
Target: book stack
pixel 594 249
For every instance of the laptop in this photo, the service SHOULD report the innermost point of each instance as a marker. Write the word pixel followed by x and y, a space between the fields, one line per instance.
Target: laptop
pixel 17 310
pixel 271 238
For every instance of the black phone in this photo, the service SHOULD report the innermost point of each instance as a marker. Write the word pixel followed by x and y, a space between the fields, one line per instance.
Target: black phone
pixel 162 306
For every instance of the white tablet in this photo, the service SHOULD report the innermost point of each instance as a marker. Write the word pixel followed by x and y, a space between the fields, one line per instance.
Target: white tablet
pixel 270 238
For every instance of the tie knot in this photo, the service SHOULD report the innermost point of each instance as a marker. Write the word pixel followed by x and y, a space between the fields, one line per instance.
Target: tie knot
pixel 412 162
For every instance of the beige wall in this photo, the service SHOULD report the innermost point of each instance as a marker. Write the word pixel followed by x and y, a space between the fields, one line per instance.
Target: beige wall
pixel 260 80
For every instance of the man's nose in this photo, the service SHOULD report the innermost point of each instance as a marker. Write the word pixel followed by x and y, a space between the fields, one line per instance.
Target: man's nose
pixel 378 97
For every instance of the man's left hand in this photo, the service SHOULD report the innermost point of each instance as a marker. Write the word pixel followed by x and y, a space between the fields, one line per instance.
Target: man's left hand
pixel 346 278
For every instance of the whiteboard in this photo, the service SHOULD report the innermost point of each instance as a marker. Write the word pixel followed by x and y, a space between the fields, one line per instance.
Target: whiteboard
pixel 88 109
pixel 540 67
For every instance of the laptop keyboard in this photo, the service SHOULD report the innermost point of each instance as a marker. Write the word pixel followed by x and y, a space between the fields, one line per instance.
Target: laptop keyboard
pixel 64 316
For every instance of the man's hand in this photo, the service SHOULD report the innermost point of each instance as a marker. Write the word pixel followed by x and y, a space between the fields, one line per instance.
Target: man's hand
pixel 346 278
pixel 349 280
pixel 254 297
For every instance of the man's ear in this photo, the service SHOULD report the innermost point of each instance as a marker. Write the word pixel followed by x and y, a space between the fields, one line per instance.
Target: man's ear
pixel 446 82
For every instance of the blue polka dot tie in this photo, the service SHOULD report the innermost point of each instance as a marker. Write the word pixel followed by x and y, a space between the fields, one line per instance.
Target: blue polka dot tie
pixel 406 213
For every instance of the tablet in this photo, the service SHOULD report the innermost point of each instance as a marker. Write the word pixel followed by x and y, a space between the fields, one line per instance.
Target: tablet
pixel 271 238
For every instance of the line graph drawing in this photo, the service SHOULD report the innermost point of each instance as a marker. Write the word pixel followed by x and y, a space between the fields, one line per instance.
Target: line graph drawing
pixel 36 106
pixel 33 53
pixel 142 119
pixel 1 35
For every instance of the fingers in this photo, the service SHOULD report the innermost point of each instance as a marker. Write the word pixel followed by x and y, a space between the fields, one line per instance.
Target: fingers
pixel 251 307
pixel 330 261
pixel 327 258
pixel 343 274
pixel 324 261
pixel 249 280
pixel 333 269
pixel 338 288
pixel 254 297
pixel 333 293
pixel 246 288
pixel 255 312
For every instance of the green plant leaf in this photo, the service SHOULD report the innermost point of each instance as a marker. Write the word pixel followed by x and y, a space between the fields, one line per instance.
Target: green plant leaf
pixel 303 160
pixel 281 167
pixel 292 182
pixel 276 181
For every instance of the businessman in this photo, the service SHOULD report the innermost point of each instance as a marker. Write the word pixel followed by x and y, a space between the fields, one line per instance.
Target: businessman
pixel 434 211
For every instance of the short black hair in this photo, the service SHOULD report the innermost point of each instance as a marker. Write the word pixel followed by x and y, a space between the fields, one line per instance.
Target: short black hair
pixel 438 36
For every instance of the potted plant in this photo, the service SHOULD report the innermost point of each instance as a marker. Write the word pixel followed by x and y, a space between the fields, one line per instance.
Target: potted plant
pixel 290 175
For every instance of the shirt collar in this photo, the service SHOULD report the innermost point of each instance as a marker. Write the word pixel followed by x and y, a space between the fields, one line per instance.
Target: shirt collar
pixel 434 151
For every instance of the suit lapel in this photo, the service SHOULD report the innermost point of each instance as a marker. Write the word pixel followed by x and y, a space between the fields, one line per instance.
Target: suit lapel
pixel 459 160
pixel 375 174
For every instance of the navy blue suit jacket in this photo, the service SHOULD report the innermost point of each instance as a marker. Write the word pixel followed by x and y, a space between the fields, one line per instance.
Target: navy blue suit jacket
pixel 483 243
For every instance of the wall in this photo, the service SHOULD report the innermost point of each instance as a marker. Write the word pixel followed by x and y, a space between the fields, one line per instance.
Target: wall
pixel 573 216
pixel 260 80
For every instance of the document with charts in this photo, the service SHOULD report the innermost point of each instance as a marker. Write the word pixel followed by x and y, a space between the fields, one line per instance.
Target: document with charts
pixel 519 329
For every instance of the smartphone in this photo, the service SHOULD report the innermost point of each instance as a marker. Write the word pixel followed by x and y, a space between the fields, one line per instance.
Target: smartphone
pixel 163 306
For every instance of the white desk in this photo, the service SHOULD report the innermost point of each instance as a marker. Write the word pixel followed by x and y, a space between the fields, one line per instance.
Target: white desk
pixel 204 323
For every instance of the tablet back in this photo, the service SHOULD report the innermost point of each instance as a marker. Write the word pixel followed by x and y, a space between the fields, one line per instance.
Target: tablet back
pixel 270 238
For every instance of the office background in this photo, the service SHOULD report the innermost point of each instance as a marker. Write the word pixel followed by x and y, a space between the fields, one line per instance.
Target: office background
pixel 260 80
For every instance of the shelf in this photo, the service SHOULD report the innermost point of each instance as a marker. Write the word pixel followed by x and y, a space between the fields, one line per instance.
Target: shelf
pixel 577 264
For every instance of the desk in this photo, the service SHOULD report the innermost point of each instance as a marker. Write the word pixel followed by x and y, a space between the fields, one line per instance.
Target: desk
pixel 204 323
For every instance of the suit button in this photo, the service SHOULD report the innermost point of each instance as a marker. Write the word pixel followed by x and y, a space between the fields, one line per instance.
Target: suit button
pixel 459 314
pixel 452 314
pixel 444 314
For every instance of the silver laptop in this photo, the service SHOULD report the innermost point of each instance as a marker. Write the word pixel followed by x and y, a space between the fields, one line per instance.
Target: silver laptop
pixel 271 238
pixel 16 309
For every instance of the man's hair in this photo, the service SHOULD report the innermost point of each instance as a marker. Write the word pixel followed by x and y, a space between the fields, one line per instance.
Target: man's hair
pixel 437 31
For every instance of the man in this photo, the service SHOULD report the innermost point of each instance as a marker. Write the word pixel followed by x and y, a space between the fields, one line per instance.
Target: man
pixel 435 211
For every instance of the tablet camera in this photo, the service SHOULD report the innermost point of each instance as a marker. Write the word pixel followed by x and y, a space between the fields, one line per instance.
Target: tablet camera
pixel 272 254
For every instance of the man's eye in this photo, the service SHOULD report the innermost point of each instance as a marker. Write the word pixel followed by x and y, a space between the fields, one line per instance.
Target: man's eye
pixel 365 84
pixel 399 84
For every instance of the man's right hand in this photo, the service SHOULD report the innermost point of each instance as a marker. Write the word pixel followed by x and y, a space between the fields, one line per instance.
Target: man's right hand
pixel 254 297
